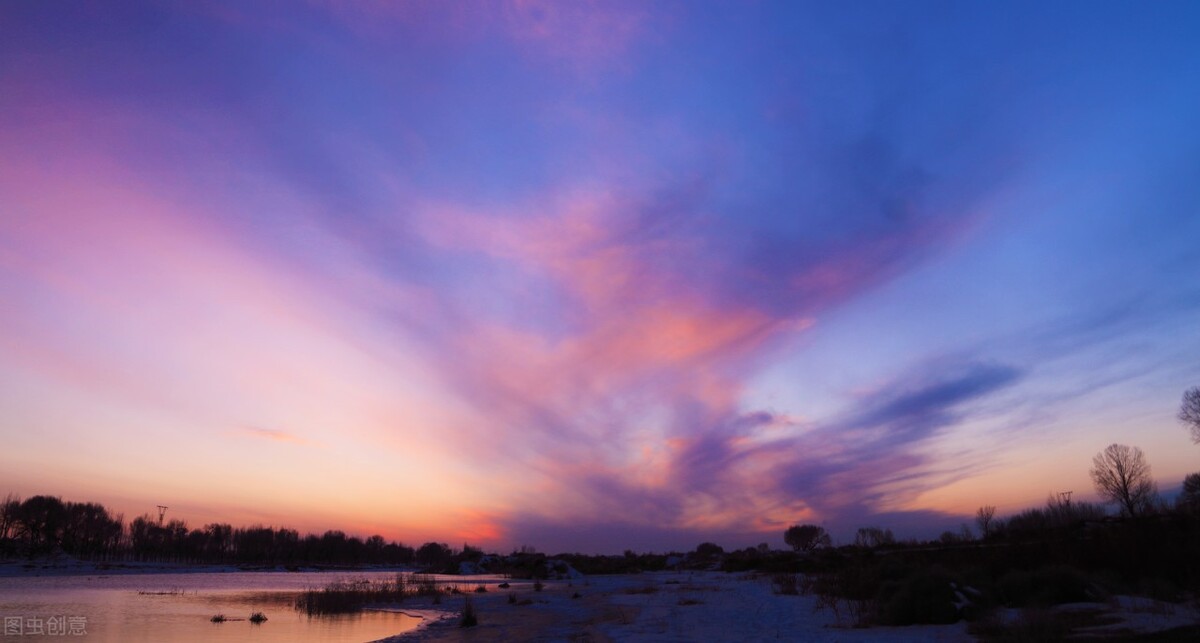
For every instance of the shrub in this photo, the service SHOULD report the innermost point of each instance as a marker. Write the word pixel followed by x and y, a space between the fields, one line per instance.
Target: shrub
pixel 1044 587
pixel 469 618
pixel 926 597
pixel 258 618
pixel 850 591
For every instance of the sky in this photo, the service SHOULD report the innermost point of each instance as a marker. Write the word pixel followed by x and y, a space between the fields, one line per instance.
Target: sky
pixel 594 276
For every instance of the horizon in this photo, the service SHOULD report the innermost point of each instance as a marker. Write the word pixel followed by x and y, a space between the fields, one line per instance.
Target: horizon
pixel 967 528
pixel 579 276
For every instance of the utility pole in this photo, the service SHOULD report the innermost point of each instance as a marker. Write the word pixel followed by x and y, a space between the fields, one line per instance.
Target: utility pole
pixel 162 511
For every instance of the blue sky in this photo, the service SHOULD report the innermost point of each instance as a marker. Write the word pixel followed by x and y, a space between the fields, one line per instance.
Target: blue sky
pixel 595 276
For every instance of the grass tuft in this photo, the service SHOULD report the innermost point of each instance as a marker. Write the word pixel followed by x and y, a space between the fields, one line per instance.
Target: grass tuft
pixel 469 618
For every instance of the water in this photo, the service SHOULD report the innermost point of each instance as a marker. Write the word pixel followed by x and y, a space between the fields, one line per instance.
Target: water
pixel 178 608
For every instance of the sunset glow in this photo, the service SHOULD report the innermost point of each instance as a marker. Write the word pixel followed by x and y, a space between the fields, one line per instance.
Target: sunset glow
pixel 594 276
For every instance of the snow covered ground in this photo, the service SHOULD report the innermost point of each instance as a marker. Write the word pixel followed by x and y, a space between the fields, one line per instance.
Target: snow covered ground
pixel 1118 616
pixel 683 606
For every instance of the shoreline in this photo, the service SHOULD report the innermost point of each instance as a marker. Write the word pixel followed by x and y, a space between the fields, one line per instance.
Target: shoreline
pixel 73 567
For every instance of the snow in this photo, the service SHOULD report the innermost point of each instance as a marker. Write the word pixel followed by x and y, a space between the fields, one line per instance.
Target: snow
pixel 1142 615
pixel 667 606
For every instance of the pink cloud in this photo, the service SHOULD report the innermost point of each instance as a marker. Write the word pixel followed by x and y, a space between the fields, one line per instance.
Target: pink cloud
pixel 274 435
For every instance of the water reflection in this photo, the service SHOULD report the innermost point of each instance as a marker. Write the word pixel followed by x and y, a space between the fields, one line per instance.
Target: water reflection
pixel 179 607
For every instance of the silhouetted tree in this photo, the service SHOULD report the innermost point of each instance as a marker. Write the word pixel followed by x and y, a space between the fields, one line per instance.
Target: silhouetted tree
pixel 433 554
pixel 1189 498
pixel 218 543
pixel 42 519
pixel 10 513
pixel 950 538
pixel 374 546
pixel 174 538
pixel 1122 476
pixel 706 550
pixel 470 553
pixel 806 537
pixel 873 537
pixel 1189 412
pixel 141 535
pixel 984 518
pixel 88 529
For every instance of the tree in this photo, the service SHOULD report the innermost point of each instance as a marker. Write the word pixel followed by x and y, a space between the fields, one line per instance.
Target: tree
pixel 10 516
pixel 42 519
pixel 1190 497
pixel 984 518
pixel 433 554
pixel 1122 476
pixel 806 537
pixel 873 537
pixel 1189 412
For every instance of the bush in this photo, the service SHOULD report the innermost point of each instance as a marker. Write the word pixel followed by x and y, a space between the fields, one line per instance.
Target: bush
pixel 926 597
pixel 851 590
pixel 1044 587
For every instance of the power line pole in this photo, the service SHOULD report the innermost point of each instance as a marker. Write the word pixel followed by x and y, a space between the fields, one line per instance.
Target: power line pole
pixel 162 511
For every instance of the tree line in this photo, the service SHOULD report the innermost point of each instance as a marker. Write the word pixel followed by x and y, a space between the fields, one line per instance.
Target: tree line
pixel 46 525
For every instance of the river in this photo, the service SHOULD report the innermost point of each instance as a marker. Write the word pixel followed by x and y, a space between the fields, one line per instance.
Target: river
pixel 178 607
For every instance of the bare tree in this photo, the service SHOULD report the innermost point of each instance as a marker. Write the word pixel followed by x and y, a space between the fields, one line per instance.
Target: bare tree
pixel 874 537
pixel 1189 412
pixel 1122 476
pixel 983 518
pixel 1189 498
pixel 806 537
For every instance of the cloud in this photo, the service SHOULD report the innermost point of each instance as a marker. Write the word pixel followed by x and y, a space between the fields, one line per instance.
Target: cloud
pixel 624 396
pixel 874 458
pixel 754 473
pixel 275 435
pixel 910 415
